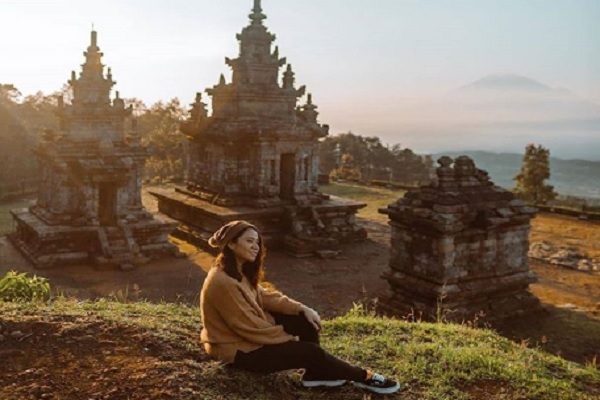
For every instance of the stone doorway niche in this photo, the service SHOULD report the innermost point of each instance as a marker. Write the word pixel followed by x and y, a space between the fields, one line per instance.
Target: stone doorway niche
pixel 288 176
pixel 107 203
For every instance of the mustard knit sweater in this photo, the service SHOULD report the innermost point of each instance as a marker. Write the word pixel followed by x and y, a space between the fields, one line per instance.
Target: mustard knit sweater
pixel 235 316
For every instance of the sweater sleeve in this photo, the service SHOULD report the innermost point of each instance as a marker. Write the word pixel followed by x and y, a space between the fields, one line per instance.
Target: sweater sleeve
pixel 243 320
pixel 274 301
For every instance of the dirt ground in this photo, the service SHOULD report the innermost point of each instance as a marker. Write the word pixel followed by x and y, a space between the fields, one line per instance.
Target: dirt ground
pixel 64 359
pixel 570 326
pixel 60 358
pixel 330 286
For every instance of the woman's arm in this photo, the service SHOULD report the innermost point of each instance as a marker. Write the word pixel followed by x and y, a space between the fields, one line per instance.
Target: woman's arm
pixel 242 318
pixel 277 302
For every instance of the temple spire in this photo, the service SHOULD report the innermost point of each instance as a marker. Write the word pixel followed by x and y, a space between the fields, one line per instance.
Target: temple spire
pixel 257 16
pixel 309 110
pixel 288 78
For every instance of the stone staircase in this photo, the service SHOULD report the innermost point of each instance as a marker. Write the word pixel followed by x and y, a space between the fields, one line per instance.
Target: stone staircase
pixel 309 236
pixel 118 248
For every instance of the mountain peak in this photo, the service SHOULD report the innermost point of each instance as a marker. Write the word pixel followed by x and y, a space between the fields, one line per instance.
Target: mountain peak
pixel 509 82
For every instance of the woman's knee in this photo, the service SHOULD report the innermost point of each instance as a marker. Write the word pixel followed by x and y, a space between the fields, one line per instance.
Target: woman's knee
pixel 309 332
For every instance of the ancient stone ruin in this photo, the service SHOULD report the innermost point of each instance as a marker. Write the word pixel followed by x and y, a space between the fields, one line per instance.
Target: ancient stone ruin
pixel 89 205
pixel 459 248
pixel 256 157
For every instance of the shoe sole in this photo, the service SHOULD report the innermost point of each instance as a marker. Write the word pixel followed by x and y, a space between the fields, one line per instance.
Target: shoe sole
pixel 389 390
pixel 312 384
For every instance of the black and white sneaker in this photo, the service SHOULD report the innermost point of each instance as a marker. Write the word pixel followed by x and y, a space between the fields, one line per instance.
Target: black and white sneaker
pixel 379 384
pixel 330 383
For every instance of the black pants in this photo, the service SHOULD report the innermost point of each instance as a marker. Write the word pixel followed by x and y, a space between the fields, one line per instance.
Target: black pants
pixel 305 353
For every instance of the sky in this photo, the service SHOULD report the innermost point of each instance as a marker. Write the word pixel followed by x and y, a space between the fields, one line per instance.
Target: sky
pixel 370 65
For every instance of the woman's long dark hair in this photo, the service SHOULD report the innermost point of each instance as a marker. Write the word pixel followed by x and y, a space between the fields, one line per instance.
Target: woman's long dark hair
pixel 253 271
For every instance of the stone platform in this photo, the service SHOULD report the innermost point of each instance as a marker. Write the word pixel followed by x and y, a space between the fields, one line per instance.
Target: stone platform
pixel 300 230
pixel 124 245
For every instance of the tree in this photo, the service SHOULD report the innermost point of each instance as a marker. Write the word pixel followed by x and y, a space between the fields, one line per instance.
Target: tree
pixel 22 120
pixel 9 93
pixel 534 171
pixel 373 159
pixel 158 127
pixel 137 105
pixel 347 170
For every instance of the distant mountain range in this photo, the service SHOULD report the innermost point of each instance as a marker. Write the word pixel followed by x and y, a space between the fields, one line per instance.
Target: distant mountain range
pixel 570 177
pixel 498 113
pixel 518 99
pixel 505 82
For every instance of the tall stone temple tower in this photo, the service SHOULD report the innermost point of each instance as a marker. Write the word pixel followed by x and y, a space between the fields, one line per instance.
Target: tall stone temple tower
pixel 256 156
pixel 89 205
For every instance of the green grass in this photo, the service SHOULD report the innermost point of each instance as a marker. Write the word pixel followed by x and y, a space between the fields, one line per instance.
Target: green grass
pixel 375 197
pixel 433 361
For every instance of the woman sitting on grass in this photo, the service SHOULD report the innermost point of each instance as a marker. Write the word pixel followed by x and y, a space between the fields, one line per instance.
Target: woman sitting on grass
pixel 257 330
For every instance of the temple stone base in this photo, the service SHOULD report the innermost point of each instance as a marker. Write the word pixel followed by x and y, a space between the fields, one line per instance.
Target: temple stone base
pixel 124 245
pixel 300 230
pixel 459 249
pixel 488 299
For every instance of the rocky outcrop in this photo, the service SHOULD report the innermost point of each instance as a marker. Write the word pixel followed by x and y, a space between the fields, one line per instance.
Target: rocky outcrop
pixel 566 256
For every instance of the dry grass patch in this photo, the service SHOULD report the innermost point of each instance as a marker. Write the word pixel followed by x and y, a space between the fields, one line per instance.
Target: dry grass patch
pixel 375 197
pixel 563 230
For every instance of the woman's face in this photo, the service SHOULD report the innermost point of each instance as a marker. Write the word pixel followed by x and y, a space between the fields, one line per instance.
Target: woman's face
pixel 246 247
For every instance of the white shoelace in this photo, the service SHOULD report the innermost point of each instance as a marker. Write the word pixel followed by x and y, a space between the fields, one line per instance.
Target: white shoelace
pixel 378 377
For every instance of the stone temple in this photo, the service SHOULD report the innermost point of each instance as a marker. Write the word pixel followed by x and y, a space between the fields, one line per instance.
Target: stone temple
pixel 89 206
pixel 459 248
pixel 256 157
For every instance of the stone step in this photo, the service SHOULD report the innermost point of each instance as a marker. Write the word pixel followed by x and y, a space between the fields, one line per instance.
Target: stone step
pixel 123 258
pixel 119 249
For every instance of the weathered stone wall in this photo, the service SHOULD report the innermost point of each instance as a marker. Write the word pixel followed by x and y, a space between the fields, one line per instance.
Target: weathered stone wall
pixel 460 247
pixel 322 227
pixel 72 173
pixel 470 254
pixel 252 169
pixel 92 128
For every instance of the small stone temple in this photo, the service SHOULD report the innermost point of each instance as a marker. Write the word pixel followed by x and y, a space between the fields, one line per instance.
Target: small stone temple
pixel 256 157
pixel 459 248
pixel 89 205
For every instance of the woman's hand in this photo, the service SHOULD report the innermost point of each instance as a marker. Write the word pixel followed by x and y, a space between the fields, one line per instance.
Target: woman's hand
pixel 312 316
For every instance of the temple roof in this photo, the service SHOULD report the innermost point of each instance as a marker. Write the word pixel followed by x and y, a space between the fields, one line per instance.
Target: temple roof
pixel 256 91
pixel 91 109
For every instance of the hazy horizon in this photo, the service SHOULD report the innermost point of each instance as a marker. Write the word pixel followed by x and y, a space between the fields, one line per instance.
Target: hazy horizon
pixel 387 68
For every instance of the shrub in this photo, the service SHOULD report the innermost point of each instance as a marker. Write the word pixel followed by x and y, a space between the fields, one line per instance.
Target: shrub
pixel 534 171
pixel 18 286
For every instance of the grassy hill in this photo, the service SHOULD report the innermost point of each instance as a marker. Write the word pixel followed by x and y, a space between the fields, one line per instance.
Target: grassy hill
pixel 69 349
